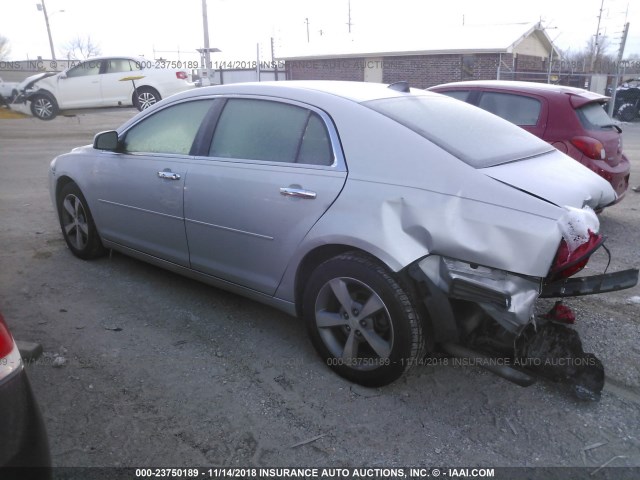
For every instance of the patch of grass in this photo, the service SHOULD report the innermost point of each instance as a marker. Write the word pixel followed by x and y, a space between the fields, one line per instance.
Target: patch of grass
pixel 6 114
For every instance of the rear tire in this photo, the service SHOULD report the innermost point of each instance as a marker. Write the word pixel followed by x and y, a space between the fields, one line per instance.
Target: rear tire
pixel 361 320
pixel 144 97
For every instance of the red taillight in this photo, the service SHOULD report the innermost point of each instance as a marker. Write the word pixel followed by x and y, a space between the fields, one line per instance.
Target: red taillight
pixel 568 263
pixel 182 75
pixel 6 340
pixel 591 147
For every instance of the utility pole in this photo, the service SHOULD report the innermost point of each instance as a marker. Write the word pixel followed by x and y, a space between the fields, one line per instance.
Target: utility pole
pixel 207 53
pixel 273 59
pixel 596 46
pixel 349 18
pixel 623 42
pixel 46 21
pixel 306 20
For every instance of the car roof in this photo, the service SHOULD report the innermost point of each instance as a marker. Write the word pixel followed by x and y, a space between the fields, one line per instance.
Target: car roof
pixel 355 91
pixel 529 87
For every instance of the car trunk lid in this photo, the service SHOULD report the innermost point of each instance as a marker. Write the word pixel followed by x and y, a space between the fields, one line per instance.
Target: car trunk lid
pixel 556 178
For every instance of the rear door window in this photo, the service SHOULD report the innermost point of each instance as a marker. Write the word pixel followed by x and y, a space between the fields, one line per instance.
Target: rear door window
pixel 255 129
pixel 518 109
pixel 117 65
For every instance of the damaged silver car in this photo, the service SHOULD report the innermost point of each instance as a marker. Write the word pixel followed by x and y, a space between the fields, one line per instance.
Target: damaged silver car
pixel 396 223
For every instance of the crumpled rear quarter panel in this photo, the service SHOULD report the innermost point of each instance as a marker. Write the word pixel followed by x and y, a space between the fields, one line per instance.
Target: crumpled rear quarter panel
pixel 407 198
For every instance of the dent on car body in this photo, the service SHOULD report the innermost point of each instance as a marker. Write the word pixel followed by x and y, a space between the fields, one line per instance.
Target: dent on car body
pixel 507 297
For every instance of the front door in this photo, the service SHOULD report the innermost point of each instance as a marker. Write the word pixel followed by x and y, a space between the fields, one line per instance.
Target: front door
pixel 140 200
pixel 80 86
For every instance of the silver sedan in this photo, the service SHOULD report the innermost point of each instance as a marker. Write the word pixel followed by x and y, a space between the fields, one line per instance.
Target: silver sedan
pixel 395 222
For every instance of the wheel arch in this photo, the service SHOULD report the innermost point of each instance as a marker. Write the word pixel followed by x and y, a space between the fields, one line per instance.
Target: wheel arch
pixel 61 182
pixel 322 253
pixel 45 92
pixel 312 260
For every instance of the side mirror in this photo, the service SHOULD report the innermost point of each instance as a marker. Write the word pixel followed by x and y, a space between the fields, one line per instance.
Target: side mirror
pixel 62 76
pixel 106 141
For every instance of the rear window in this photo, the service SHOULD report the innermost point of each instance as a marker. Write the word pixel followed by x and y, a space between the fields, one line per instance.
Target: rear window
pixel 593 116
pixel 467 132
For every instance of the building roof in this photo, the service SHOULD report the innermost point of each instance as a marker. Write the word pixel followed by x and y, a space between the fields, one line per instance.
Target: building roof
pixel 432 41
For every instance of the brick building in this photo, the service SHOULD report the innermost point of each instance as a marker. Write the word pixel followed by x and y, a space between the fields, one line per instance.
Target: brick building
pixel 519 51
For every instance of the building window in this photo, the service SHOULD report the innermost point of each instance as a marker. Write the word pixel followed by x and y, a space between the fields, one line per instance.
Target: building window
pixel 468 64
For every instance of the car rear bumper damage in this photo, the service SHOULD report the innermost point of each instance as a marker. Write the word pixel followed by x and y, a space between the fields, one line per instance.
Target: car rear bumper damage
pixel 488 316
pixel 606 282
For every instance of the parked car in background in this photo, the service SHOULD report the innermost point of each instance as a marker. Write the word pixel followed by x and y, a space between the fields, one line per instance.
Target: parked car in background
pixel 8 89
pixel 359 207
pixel 627 102
pixel 104 82
pixel 23 437
pixel 571 119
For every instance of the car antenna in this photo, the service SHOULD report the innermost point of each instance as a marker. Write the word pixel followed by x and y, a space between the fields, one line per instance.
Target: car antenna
pixel 402 86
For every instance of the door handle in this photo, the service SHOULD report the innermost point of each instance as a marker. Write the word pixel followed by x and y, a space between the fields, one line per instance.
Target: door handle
pixel 297 192
pixel 169 175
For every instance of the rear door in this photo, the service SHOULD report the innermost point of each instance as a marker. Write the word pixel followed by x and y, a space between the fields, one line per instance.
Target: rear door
pixel 270 171
pixel 116 90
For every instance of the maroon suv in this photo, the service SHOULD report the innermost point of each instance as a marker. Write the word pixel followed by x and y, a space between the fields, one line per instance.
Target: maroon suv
pixel 571 119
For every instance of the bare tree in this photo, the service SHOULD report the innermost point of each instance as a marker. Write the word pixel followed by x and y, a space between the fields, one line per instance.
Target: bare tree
pixel 597 53
pixel 5 48
pixel 593 58
pixel 81 48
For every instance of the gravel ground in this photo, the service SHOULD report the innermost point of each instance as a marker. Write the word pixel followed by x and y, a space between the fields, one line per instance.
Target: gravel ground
pixel 146 368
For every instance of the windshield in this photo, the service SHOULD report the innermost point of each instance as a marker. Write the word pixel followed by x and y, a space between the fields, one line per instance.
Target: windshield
pixel 476 137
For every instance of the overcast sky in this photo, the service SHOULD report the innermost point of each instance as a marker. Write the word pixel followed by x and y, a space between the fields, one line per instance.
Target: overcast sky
pixel 147 27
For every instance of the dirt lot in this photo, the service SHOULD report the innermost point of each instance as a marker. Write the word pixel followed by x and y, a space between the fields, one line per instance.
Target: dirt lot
pixel 146 368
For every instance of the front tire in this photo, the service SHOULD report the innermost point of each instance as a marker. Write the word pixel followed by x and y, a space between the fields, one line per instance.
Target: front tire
pixel 44 107
pixel 78 228
pixel 361 320
pixel 144 97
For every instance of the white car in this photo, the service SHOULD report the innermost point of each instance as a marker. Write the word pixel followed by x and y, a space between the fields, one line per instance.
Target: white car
pixel 7 88
pixel 106 82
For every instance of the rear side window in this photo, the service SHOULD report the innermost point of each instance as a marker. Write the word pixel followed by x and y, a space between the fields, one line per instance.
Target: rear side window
pixel 457 94
pixel 517 109
pixel 171 130
pixel 116 65
pixel 316 146
pixel 593 116
pixel 271 131
pixel 466 132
